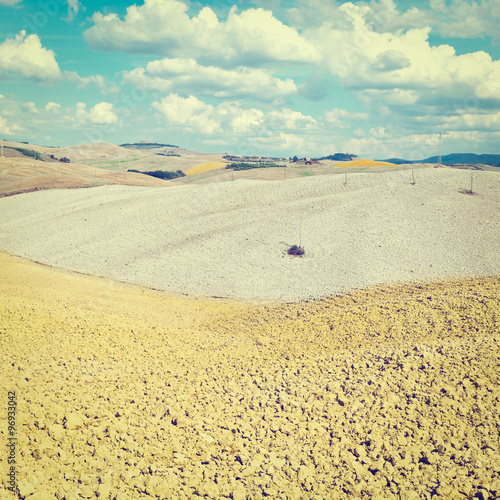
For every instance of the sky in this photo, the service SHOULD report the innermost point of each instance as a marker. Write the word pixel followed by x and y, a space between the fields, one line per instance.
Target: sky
pixel 376 78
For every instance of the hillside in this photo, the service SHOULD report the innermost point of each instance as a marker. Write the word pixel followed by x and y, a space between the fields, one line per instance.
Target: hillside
pixel 455 159
pixel 460 158
pixel 133 394
pixel 231 238
pixel 339 157
pixel 22 174
pixel 147 145
pixel 126 391
pixel 397 161
pixel 104 155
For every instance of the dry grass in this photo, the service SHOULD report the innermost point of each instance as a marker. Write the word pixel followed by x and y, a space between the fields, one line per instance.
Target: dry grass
pixel 21 175
pixel 205 167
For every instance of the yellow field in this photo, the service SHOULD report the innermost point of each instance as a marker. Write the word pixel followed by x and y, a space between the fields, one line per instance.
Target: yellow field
pixel 130 393
pixel 206 167
pixel 367 163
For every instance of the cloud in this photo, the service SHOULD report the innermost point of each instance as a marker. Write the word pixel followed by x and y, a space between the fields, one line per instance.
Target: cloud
pixel 254 122
pixel 7 129
pixel 190 113
pixel 465 120
pixel 449 18
pixel 25 55
pixel 316 87
pixel 9 3
pixel 416 146
pixel 379 133
pixel 289 120
pixel 381 143
pixel 73 9
pixel 103 114
pixel 100 114
pixel 163 27
pixel 366 60
pixel 52 107
pixel 392 97
pixel 249 121
pixel 341 118
pixel 384 16
pixel 391 60
pixel 464 19
pixel 99 81
pixel 231 122
pixel 188 76
pixel 30 108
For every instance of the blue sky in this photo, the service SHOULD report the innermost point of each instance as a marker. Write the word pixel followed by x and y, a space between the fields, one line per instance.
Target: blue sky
pixel 377 78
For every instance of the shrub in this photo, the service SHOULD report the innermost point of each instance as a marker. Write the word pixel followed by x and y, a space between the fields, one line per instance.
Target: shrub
pixel 296 250
pixel 249 166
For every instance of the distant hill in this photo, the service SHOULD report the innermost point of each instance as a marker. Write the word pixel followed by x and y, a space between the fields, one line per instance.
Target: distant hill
pixel 339 157
pixel 455 159
pixel 397 161
pixel 147 145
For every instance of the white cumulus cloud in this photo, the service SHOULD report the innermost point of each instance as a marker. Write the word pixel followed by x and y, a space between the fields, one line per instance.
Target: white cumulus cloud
pixel 232 121
pixel 449 18
pixel 405 62
pixel 163 27
pixel 248 121
pixel 30 107
pixel 9 3
pixel 468 120
pixel 6 129
pixel 466 19
pixel 188 76
pixel 101 114
pixel 25 55
pixel 342 118
pixel 52 107
pixel 190 113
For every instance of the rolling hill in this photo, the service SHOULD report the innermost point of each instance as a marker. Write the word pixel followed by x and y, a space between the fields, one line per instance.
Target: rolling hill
pixel 456 159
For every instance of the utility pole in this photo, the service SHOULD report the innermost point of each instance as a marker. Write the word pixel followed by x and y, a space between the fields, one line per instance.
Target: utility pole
pixel 1 155
pixel 440 150
pixel 300 242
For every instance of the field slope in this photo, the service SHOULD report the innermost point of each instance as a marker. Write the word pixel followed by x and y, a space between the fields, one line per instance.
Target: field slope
pixel 230 239
pixel 129 393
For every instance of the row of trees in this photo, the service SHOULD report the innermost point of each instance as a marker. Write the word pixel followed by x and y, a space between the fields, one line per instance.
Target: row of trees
pixel 161 174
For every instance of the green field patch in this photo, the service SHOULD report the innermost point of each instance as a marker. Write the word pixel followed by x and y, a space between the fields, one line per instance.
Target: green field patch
pixel 109 165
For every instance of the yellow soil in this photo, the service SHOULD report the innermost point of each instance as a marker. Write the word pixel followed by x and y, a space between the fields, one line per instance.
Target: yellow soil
pixel 134 392
pixel 205 167
pixel 366 163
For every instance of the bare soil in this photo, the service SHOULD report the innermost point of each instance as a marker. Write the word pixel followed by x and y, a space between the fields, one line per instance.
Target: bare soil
pixel 125 392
